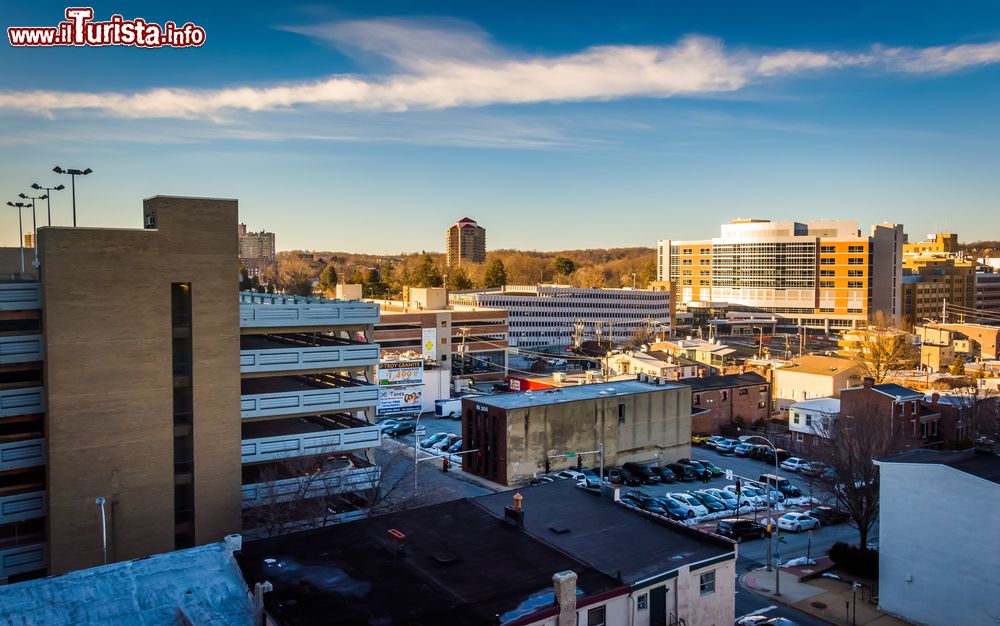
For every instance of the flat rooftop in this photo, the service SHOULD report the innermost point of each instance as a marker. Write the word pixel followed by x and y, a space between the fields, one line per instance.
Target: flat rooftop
pixel 985 465
pixel 607 535
pixel 526 399
pixel 723 382
pixel 459 565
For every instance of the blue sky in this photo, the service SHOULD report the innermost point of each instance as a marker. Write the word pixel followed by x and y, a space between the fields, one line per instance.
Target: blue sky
pixel 370 127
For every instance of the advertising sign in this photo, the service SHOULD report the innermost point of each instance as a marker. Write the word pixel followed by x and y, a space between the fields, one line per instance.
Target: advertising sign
pixel 428 343
pixel 401 399
pixel 400 372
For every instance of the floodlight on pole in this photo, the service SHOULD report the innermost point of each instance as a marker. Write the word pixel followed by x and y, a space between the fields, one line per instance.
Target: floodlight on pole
pixel 73 174
pixel 48 192
pixel 34 223
pixel 20 229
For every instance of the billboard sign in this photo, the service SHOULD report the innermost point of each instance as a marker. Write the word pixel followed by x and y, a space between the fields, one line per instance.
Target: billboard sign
pixel 428 343
pixel 400 399
pixel 401 372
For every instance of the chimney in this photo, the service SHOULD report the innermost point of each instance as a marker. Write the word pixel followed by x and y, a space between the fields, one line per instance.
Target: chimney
pixel 869 382
pixel 701 372
pixel 396 542
pixel 564 585
pixel 514 515
pixel 934 398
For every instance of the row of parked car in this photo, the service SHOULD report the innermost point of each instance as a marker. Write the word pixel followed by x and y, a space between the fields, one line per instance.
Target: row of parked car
pixel 684 470
pixel 741 446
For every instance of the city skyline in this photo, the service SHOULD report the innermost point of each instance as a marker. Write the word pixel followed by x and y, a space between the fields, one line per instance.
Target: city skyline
pixel 559 131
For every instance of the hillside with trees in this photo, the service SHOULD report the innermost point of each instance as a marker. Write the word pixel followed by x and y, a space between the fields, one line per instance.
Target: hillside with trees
pixel 385 276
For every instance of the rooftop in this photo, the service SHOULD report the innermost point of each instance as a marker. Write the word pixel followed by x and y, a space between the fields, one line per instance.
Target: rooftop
pixel 571 394
pixel 459 565
pixel 204 584
pixel 723 382
pixel 607 535
pixel 897 391
pixel 985 465
pixel 820 365
pixel 823 405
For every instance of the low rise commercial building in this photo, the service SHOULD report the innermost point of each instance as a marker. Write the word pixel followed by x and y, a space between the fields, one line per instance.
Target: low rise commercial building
pixel 518 434
pixel 718 402
pixel 913 424
pixel 652 363
pixel 984 340
pixel 714 354
pixel 548 315
pixel 813 376
pixel 929 551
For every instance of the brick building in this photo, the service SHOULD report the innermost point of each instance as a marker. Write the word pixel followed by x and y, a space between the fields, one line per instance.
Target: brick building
pixel 916 425
pixel 716 401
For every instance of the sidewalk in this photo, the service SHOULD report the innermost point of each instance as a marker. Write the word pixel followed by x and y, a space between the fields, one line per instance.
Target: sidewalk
pixel 828 599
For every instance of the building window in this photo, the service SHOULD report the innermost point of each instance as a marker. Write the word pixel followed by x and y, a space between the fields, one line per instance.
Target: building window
pixel 799 438
pixel 826 261
pixel 855 248
pixel 707 584
pixel 809 420
pixel 621 413
pixel 641 601
pixel 697 398
pixel 596 617
pixel 827 249
pixel 725 395
pixel 856 260
pixel 795 418
pixel 826 284
pixel 744 392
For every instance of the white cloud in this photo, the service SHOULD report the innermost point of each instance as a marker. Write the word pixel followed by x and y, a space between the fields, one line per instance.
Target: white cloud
pixel 443 64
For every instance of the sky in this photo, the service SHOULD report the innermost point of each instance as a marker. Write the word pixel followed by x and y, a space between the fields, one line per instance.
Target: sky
pixel 372 126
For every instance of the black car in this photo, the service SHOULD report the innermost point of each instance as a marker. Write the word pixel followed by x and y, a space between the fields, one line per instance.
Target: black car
pixel 648 503
pixel 399 429
pixel 643 472
pixel 674 509
pixel 622 477
pixel 665 473
pixel 714 505
pixel 782 455
pixel 829 515
pixel 740 529
pixel 699 469
pixel 715 471
pixel 682 471
pixel 758 452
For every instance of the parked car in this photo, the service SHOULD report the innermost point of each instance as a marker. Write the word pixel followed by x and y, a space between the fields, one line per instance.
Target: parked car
pixel 698 468
pixel 829 515
pixel 676 510
pixel 758 451
pixel 714 441
pixel 713 504
pixel 648 503
pixel 685 498
pixel 743 449
pixel 727 446
pixel 683 472
pixel 338 462
pixel 794 464
pixel 455 447
pixel 666 474
pixel 644 472
pixel 745 498
pixel 448 441
pixel 427 442
pixel 782 484
pixel 711 467
pixel 541 480
pixel 764 620
pixel 782 455
pixel 399 429
pixel 622 477
pixel 815 469
pixel 797 522
pixel 740 529
pixel 699 439
pixel 727 498
pixel 569 475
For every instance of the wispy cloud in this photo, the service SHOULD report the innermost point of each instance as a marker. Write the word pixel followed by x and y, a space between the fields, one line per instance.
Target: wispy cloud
pixel 439 64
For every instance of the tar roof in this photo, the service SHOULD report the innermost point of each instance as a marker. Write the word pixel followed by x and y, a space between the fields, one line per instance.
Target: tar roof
pixel 724 382
pixel 571 394
pixel 607 535
pixel 985 465
pixel 897 391
pixel 821 365
pixel 460 565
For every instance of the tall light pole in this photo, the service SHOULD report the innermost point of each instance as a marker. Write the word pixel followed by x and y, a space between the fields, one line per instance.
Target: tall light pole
pixel 73 174
pixel 20 229
pixel 48 192
pixel 777 567
pixel 34 223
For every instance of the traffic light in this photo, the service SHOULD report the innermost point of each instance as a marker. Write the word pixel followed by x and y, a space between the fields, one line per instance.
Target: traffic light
pixel 579 463
pixel 739 487
pixel 767 530
pixel 445 464
pixel 548 466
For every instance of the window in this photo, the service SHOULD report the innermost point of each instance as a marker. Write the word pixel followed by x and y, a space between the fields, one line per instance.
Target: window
pixel 829 272
pixel 826 284
pixel 641 601
pixel 725 395
pixel 707 584
pixel 799 438
pixel 826 261
pixel 827 249
pixel 856 260
pixel 855 248
pixel 744 392
pixel 795 418
pixel 856 273
pixel 697 398
pixel 596 617
pixel 855 284
pixel 621 413
pixel 809 420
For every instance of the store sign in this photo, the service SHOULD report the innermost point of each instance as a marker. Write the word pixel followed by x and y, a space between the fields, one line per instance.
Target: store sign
pixel 428 343
pixel 401 372
pixel 401 399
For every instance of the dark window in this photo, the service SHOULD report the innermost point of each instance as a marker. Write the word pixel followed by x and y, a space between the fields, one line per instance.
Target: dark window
pixel 707 583
pixel 180 318
pixel 597 617
pixel 697 398
pixel 621 413
pixel 725 395
pixel 744 392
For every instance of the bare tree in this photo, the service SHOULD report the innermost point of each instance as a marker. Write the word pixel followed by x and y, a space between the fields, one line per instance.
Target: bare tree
pixel 978 409
pixel 881 350
pixel 852 443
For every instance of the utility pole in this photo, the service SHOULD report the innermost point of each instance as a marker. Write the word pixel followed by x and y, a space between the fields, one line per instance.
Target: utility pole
pixel 464 330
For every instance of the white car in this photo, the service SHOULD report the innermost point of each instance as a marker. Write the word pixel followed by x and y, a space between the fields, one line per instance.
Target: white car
pixel 797 522
pixel 794 464
pixel 690 502
pixel 746 499
pixel 728 498
pixel 571 474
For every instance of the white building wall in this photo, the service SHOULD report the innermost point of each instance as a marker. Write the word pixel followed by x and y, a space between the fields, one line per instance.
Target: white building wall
pixel 938 545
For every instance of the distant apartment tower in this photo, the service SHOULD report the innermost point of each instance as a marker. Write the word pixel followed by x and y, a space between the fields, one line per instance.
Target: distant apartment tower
pixel 132 370
pixel 932 282
pixel 822 274
pixel 465 241
pixel 543 315
pixel 988 296
pixel 256 250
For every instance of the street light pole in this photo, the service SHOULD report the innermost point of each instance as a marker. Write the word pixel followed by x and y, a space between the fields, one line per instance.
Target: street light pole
pixel 72 175
pixel 34 224
pixel 48 192
pixel 776 531
pixel 20 229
